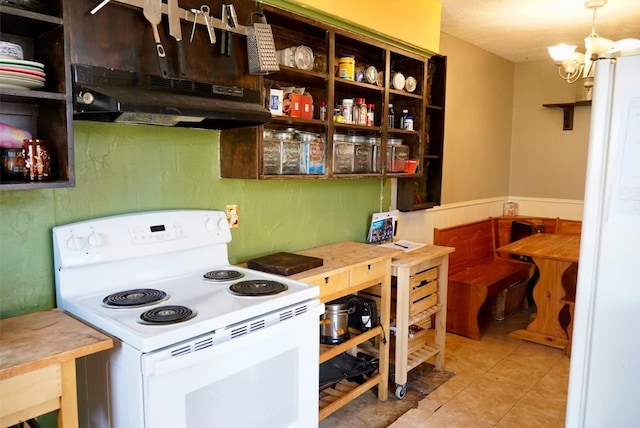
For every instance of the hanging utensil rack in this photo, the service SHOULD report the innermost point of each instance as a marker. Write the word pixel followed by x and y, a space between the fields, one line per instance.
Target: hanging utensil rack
pixel 185 15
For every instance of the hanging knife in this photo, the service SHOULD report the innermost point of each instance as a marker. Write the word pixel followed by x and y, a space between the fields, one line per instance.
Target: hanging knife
pixel 176 32
pixel 225 35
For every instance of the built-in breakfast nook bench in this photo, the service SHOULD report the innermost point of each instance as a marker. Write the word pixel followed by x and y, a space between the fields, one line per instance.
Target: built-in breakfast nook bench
pixel 483 266
pixel 475 273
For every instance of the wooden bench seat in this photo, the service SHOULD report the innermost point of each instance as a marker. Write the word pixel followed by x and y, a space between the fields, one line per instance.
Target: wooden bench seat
pixel 475 273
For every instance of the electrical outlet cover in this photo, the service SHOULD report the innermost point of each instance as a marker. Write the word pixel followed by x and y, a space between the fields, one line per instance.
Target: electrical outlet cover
pixel 233 215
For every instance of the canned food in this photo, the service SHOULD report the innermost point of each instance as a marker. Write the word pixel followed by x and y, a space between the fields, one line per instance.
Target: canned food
pixel 346 67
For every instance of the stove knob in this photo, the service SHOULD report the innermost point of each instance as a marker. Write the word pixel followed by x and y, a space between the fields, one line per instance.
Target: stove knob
pixel 216 225
pixel 223 225
pixel 95 240
pixel 74 243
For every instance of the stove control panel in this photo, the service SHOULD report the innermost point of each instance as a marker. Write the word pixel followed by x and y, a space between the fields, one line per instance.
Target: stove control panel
pixel 148 234
pixel 139 235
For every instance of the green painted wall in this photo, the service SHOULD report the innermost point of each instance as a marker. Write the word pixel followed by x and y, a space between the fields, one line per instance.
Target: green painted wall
pixel 128 168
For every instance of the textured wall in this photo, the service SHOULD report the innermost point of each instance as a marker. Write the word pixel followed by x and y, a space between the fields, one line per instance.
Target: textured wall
pixel 127 168
pixel 546 161
pixel 478 120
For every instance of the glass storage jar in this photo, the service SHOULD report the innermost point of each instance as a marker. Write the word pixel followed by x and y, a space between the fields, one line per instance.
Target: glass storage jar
pixel 271 155
pixel 37 160
pixel 361 153
pixel 397 155
pixel 343 154
pixel 313 153
pixel 290 151
pixel 376 158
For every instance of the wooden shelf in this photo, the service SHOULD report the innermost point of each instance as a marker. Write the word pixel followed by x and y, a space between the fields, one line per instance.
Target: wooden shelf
pixel 351 268
pixel 424 190
pixel 45 113
pixel 567 112
pixel 241 151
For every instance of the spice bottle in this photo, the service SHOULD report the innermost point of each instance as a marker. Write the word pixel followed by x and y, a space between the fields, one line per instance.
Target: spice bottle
pixel 408 123
pixel 370 114
pixel 323 110
pixel 347 110
pixel 360 118
pixel 403 118
pixel 391 118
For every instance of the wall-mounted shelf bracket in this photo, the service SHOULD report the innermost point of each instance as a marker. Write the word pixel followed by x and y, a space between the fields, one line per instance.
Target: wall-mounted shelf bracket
pixel 567 112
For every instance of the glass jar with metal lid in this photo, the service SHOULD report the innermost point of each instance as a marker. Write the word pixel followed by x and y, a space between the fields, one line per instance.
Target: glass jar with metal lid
pixel 271 154
pixel 397 155
pixel 376 158
pixel 290 151
pixel 313 153
pixel 343 154
pixel 361 153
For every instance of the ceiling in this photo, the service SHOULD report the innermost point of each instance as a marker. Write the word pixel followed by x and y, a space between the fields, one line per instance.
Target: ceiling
pixel 521 30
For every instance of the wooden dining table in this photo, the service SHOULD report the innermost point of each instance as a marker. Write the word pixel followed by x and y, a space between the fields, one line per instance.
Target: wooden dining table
pixel 554 255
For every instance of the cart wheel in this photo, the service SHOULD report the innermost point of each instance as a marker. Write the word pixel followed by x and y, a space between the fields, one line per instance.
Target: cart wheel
pixel 401 392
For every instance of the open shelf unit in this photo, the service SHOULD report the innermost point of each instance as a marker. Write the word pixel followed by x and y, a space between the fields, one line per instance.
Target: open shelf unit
pixel 424 191
pixel 45 113
pixel 241 152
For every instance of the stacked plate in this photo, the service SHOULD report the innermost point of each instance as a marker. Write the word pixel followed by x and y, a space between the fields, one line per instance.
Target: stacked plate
pixel 21 74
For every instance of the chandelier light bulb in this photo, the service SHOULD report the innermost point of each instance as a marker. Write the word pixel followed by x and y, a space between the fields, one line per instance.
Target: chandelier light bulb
pixel 561 53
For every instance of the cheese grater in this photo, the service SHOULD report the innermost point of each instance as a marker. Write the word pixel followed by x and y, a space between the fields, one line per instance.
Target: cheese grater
pixel 261 48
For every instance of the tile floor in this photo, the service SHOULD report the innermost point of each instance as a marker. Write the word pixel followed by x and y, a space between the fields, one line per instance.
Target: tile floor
pixel 500 382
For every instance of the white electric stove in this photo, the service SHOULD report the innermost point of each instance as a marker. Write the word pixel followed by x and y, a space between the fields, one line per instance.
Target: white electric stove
pixel 183 318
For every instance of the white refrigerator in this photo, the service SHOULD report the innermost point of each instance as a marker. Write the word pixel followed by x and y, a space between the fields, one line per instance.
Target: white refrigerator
pixel 604 380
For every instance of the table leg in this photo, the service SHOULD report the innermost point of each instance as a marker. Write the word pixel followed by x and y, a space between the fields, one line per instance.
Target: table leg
pixel 545 328
pixel 68 413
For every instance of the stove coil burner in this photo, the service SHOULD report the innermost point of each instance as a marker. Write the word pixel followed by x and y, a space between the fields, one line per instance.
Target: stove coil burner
pixel 167 315
pixel 257 287
pixel 223 275
pixel 134 298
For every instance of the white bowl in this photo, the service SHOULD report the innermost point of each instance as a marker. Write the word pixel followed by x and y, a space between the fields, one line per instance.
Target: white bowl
pixel 10 50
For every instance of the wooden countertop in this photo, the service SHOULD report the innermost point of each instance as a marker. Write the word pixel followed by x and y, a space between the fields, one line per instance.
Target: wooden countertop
pixel 344 256
pixel 39 339
pixel 410 258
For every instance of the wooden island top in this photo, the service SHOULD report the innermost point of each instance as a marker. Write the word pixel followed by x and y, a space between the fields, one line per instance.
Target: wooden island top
pixel 37 365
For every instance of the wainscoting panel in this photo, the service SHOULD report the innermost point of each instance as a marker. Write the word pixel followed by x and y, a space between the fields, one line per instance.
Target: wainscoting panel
pixel 418 225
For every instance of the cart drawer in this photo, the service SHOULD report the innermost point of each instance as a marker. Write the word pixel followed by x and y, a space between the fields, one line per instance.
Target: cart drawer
pixel 423 304
pixel 422 289
pixel 331 283
pixel 370 273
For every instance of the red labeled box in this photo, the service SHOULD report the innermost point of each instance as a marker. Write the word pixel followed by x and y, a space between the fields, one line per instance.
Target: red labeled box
pixel 292 104
pixel 307 107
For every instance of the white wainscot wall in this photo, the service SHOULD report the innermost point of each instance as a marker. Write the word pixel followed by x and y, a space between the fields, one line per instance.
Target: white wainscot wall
pixel 418 226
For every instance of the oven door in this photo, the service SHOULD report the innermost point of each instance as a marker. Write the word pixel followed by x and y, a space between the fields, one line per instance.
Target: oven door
pixel 267 378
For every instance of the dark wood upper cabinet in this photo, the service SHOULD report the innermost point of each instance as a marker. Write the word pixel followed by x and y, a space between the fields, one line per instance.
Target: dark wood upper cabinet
pixel 424 191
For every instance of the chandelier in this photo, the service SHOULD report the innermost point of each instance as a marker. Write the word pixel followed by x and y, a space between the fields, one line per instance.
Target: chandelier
pixel 572 64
